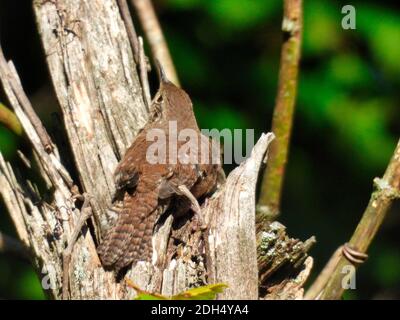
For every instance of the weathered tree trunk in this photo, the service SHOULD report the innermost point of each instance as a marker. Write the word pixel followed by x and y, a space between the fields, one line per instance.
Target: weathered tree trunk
pixel 101 99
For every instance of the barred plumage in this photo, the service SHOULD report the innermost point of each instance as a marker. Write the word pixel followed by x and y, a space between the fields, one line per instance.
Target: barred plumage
pixel 146 188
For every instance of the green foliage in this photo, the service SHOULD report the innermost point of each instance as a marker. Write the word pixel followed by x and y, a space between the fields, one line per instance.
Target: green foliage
pixel 18 280
pixel 29 287
pixel 232 15
pixel 220 116
pixel 184 4
pixel 8 142
pixel 349 71
pixel 361 125
pixel 381 27
pixel 193 66
pixel 239 14
pixel 323 32
pixel 208 292
pixel 386 266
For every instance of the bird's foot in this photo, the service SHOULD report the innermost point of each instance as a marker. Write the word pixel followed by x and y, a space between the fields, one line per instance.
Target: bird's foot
pixel 198 223
pixel 198 217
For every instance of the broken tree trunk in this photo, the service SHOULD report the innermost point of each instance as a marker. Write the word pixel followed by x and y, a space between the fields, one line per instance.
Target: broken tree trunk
pixel 96 82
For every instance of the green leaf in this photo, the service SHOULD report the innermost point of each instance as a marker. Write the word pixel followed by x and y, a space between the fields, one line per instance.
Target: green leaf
pixel 29 286
pixel 8 142
pixel 150 296
pixel 208 292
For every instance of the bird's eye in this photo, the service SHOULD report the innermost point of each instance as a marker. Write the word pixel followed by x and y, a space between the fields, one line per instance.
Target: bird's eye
pixel 159 99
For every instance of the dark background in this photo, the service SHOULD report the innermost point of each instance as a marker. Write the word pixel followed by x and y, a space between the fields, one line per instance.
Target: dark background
pixel 227 56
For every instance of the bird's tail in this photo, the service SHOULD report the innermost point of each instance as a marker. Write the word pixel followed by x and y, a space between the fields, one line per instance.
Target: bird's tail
pixel 130 239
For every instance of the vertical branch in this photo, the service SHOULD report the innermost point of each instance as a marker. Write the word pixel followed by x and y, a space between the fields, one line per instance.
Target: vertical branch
pixel 130 28
pixel 138 50
pixel 386 190
pixel 155 37
pixel 143 74
pixel 284 109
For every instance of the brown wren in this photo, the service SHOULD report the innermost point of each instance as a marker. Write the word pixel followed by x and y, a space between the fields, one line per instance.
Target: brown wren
pixel 147 190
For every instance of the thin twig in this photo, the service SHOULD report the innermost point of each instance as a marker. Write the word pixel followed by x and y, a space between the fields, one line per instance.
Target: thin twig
pixel 24 159
pixel 155 37
pixel 143 75
pixel 130 28
pixel 35 131
pixel 25 103
pixel 13 246
pixel 320 282
pixel 386 190
pixel 271 188
pixel 10 192
pixel 138 51
pixel 10 120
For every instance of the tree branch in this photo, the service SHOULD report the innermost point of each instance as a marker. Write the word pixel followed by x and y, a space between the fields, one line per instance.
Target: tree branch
pixel 102 110
pixel 231 235
pixel 138 50
pixel 130 28
pixel 271 187
pixel 329 284
pixel 155 37
pixel 19 93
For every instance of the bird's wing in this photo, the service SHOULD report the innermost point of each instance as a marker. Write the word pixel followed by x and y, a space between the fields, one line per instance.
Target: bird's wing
pixel 126 174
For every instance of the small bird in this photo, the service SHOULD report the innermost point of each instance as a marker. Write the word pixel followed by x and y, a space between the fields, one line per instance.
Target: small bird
pixel 147 190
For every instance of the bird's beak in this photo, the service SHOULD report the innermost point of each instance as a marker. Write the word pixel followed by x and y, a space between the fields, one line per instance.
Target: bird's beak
pixel 161 72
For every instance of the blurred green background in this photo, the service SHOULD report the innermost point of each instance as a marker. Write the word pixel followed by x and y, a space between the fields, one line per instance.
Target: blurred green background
pixel 227 56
